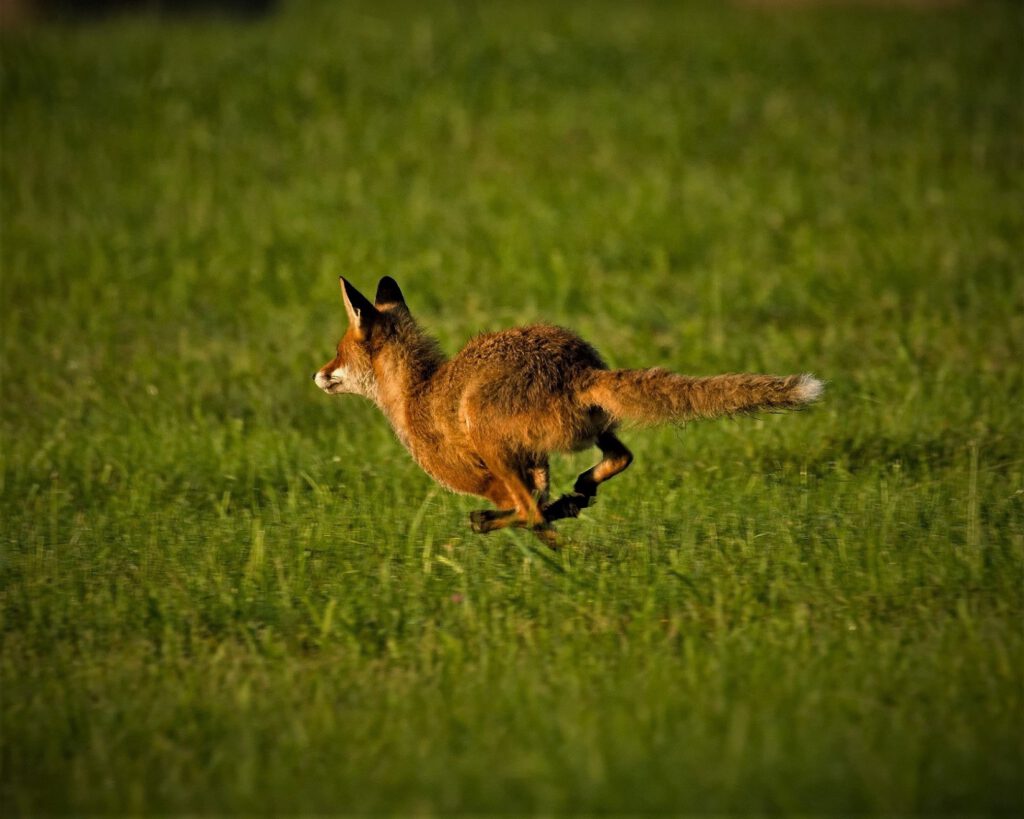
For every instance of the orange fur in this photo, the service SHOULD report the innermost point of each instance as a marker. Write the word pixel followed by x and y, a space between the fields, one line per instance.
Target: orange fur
pixel 485 421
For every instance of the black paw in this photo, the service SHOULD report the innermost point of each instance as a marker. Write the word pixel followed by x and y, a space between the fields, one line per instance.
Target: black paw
pixel 567 506
pixel 480 521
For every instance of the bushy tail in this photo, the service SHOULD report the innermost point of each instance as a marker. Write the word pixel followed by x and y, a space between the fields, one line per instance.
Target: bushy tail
pixel 656 396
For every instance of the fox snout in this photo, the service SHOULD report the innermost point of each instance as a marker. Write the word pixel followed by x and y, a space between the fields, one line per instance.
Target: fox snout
pixel 337 379
pixel 331 379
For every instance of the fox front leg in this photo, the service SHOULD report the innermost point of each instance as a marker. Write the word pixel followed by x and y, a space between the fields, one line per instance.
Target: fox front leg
pixel 483 521
pixel 510 487
pixel 514 493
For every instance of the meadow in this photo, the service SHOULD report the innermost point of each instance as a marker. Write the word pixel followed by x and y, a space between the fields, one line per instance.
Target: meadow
pixel 222 591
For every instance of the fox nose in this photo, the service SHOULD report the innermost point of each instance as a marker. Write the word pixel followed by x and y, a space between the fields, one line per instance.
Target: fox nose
pixel 315 375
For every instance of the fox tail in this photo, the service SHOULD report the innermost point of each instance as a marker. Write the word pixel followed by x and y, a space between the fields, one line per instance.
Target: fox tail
pixel 657 396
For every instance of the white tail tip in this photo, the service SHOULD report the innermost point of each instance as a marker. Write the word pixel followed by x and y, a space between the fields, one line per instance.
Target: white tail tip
pixel 808 389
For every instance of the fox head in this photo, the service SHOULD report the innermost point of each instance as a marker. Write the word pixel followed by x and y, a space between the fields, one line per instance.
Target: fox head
pixel 351 370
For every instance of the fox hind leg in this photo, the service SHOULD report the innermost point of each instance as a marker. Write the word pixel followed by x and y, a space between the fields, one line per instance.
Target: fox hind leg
pixel 615 458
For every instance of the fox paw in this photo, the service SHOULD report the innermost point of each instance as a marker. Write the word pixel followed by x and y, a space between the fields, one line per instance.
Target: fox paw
pixel 568 506
pixel 487 520
pixel 480 521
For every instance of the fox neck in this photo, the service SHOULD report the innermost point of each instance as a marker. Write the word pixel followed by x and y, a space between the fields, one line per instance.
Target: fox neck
pixel 403 368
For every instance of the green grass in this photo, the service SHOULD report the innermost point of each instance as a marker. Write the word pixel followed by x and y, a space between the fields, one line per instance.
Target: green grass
pixel 223 591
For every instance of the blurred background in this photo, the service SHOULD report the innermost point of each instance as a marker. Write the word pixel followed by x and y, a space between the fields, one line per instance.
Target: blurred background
pixel 18 12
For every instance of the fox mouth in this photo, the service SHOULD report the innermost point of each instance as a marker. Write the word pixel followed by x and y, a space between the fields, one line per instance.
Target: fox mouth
pixel 332 387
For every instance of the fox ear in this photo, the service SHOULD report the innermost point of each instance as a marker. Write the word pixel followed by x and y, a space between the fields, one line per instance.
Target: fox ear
pixel 361 313
pixel 388 294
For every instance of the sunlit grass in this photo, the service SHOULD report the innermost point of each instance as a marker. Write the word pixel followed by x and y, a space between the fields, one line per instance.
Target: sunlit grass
pixel 223 591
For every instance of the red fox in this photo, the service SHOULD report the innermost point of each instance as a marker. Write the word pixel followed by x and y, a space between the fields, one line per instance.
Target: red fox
pixel 484 422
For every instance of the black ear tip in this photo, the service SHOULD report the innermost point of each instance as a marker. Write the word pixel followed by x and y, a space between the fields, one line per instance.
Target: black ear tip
pixel 347 286
pixel 388 292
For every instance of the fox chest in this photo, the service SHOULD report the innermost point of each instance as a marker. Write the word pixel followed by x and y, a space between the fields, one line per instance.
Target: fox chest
pixel 458 471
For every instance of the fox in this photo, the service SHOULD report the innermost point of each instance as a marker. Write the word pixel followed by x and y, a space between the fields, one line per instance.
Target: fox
pixel 486 421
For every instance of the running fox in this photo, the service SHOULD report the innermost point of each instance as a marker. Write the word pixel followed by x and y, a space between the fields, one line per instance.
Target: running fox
pixel 484 422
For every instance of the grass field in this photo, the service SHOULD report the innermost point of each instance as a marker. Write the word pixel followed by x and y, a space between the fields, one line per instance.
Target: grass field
pixel 223 591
